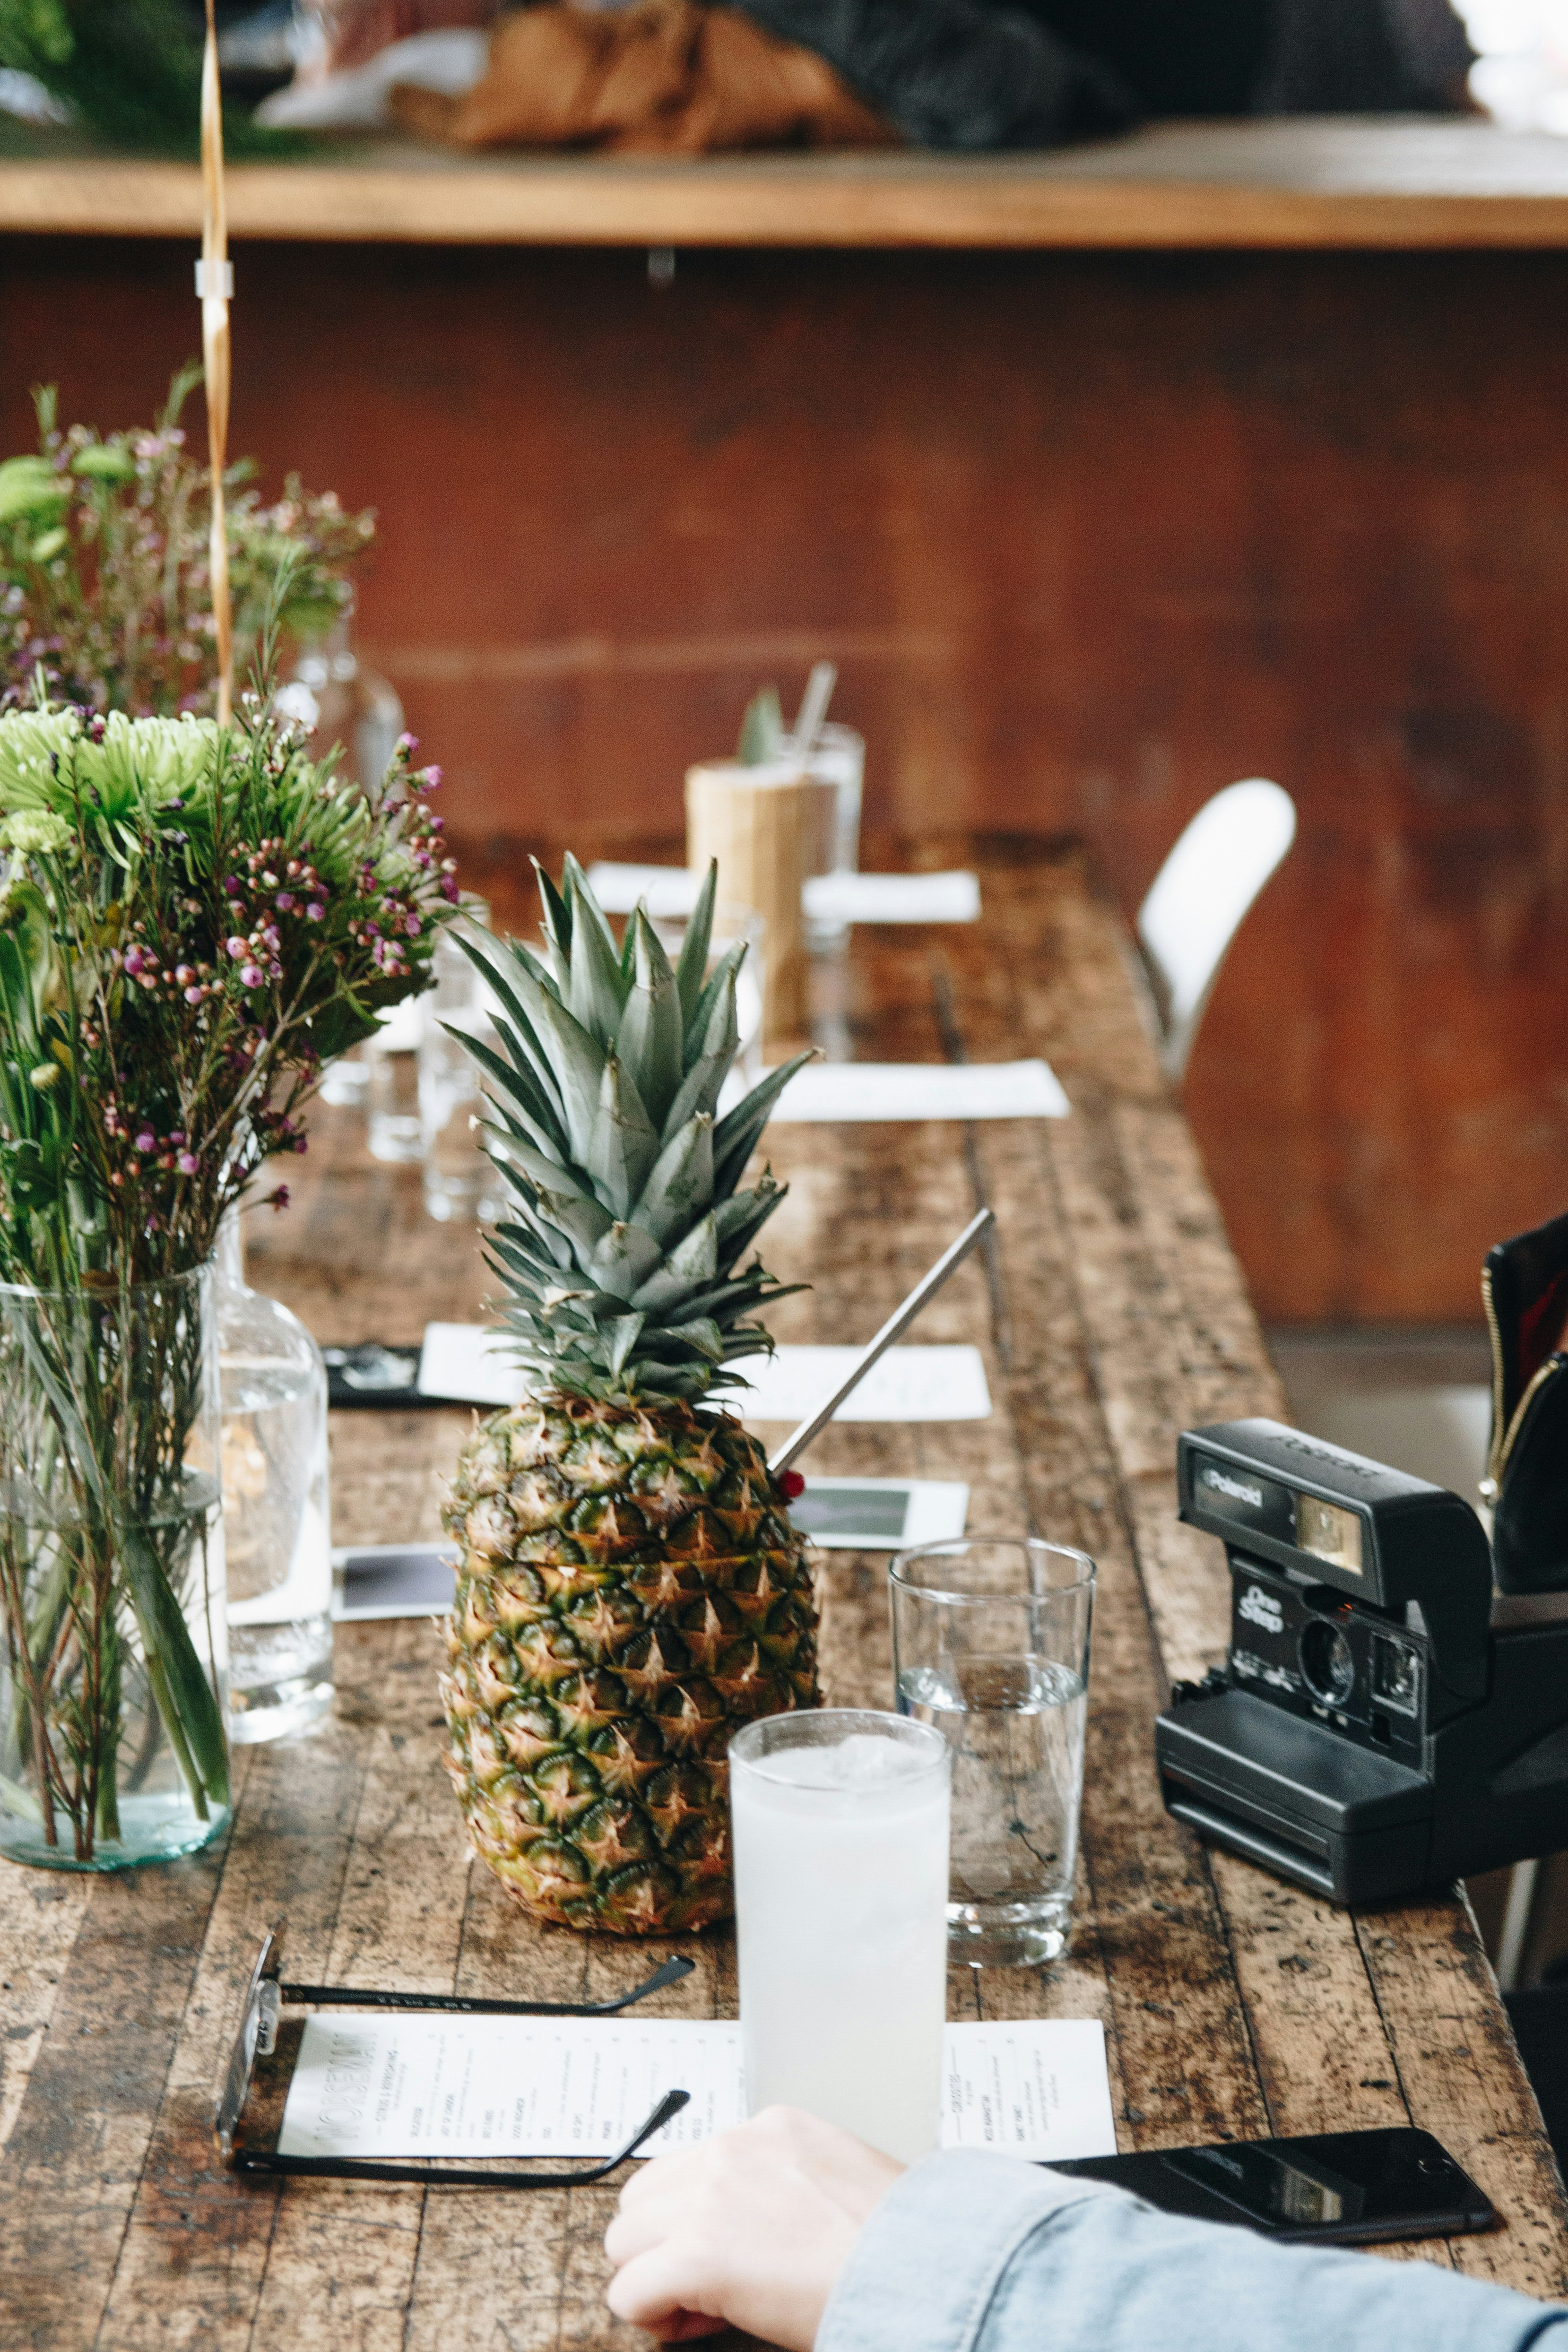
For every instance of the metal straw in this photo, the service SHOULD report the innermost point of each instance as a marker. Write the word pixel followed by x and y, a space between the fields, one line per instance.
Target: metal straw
pixel 896 1325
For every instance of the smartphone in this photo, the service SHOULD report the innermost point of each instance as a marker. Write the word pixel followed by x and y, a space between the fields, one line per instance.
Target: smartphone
pixel 1345 2189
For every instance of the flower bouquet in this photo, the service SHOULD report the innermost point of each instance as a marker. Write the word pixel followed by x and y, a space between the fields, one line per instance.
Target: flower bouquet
pixel 104 577
pixel 192 921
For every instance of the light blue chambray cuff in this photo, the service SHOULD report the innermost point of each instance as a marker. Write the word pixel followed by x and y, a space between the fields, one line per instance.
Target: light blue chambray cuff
pixel 927 2263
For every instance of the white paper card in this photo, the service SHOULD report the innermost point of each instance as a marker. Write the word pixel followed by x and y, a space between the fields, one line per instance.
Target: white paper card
pixel 892 897
pixel 827 897
pixel 1038 2089
pixel 376 2084
pixel 469 1364
pixel 669 890
pixel 906 1384
pixel 880 1514
pixel 372 2084
pixel 879 1090
pixel 463 1361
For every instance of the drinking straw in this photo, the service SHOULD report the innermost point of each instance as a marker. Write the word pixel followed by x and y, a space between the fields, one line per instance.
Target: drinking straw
pixel 898 1322
pixel 213 281
pixel 813 708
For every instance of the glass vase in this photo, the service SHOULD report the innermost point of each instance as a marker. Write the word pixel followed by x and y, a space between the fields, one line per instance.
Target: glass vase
pixel 113 1680
pixel 277 1532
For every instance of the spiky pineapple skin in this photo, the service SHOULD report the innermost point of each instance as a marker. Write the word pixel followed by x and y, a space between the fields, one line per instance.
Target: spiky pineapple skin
pixel 630 1591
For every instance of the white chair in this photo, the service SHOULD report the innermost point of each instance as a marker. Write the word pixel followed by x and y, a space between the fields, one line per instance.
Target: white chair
pixel 1197 899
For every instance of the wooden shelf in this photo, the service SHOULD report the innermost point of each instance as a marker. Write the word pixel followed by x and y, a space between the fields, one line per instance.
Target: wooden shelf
pixel 1332 183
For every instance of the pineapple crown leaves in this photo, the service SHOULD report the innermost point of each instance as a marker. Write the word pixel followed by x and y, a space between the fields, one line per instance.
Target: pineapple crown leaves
pixel 625 1232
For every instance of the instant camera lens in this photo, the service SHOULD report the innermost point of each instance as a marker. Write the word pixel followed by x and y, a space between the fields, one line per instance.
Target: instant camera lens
pixel 1326 1663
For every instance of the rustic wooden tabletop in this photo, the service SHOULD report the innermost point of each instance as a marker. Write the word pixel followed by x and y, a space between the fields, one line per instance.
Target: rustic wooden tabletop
pixel 1110 1314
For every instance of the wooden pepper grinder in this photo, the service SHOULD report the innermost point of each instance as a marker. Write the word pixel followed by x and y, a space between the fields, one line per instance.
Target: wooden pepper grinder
pixel 753 814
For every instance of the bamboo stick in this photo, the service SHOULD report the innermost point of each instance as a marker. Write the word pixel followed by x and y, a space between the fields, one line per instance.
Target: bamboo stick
pixel 213 287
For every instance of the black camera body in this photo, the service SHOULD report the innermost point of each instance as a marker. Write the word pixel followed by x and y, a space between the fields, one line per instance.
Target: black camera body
pixel 1382 1722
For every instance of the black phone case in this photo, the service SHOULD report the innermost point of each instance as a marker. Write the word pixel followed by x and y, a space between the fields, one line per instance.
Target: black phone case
pixel 1396 2166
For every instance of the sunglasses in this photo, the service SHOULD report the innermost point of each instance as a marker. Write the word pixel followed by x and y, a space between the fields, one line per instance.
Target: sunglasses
pixel 267 1996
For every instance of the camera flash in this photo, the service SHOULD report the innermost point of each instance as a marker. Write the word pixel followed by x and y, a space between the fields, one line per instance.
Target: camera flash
pixel 1329 1533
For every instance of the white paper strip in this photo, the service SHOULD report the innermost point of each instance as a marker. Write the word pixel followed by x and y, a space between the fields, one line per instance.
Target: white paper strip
pixel 892 897
pixel 886 1090
pixel 376 2084
pixel 827 897
pixel 906 1384
pixel 463 1361
pixel 880 1514
pixel 669 890
pixel 466 1362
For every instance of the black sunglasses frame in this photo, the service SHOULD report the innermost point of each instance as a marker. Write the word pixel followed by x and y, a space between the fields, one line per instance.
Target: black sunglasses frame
pixel 266 1995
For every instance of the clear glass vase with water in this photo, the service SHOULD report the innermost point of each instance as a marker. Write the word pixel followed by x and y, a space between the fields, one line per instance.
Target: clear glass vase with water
pixel 276 1510
pixel 112 1747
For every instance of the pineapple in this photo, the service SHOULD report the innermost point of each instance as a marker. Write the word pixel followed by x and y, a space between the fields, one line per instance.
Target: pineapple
pixel 630 1589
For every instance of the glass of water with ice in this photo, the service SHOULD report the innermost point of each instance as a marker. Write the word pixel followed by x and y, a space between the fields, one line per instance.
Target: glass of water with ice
pixel 991 1646
pixel 840 1820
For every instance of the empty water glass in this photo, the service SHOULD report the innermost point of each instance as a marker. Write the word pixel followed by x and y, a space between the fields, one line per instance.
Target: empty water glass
pixel 837 768
pixel 991 1646
pixel 392 1091
pixel 461 1180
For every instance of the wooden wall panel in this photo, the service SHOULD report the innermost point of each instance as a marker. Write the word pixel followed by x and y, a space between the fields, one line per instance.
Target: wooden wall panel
pixel 1088 535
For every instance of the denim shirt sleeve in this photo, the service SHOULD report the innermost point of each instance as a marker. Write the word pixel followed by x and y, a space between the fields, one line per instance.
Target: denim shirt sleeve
pixel 981 2253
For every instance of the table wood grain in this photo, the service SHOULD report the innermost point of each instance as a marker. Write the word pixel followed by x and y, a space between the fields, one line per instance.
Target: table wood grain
pixel 1110 1313
pixel 1307 182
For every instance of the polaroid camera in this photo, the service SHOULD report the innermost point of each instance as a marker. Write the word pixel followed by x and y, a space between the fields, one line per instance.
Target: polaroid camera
pixel 1383 1721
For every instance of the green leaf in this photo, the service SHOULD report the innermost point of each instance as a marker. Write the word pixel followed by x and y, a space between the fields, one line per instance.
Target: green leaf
pixel 557 926
pixel 623 1142
pixel 623 1259
pixel 692 966
pixel 648 1041
pixel 681 1187
pixel 623 1334
pixel 31 487
pixel 724 975
pixel 736 1137
pixel 593 991
pixel 518 1084
pixel 577 1064
pixel 584 1223
pixel 690 1265
pixel 763 736
pixel 705 1077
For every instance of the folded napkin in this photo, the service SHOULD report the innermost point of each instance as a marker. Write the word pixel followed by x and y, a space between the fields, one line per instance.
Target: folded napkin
pixel 664 77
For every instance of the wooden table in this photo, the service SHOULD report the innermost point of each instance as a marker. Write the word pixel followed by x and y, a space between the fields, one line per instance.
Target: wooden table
pixel 1335 181
pixel 1110 1314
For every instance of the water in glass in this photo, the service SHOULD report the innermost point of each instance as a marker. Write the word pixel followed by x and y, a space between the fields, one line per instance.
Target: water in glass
pixel 991 1649
pixel 277 1536
pixel 1015 1728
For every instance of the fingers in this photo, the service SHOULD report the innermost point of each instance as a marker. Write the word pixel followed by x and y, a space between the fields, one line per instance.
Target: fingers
pixel 662 2285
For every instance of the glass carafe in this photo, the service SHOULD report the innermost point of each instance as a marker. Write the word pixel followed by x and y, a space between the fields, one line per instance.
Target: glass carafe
pixel 278 1530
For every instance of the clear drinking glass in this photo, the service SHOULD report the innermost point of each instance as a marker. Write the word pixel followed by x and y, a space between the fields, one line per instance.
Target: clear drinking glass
pixel 991 1646
pixel 840 1820
pixel 275 1507
pixel 730 924
pixel 393 1128
pixel 838 765
pixel 460 1178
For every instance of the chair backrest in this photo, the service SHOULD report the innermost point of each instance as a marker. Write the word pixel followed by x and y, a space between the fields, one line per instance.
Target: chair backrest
pixel 1197 899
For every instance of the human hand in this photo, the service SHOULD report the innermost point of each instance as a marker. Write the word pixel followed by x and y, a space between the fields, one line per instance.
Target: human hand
pixel 750 2230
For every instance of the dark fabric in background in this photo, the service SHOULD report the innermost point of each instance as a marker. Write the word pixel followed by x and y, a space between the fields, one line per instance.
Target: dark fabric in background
pixel 983 74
